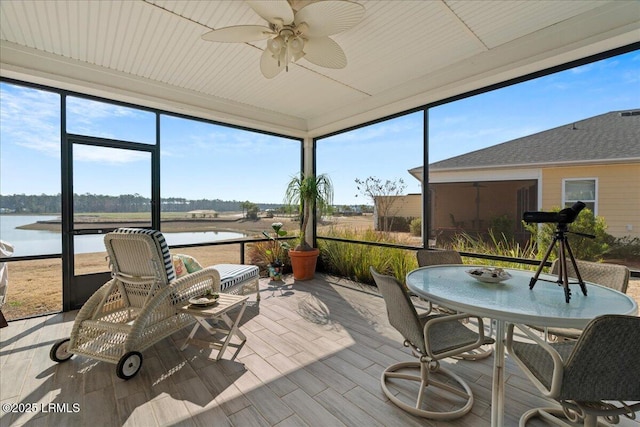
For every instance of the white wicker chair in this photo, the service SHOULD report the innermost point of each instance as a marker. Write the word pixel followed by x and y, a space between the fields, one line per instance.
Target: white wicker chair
pixel 138 306
pixel 6 250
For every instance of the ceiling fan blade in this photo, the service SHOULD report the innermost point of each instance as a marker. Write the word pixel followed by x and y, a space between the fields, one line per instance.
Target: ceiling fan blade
pixel 329 17
pixel 269 65
pixel 277 12
pixel 238 34
pixel 325 52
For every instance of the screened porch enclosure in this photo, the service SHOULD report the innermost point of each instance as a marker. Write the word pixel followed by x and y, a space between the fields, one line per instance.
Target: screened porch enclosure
pixel 158 101
pixel 481 207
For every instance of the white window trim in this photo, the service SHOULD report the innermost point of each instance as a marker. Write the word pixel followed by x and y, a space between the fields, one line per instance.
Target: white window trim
pixel 595 201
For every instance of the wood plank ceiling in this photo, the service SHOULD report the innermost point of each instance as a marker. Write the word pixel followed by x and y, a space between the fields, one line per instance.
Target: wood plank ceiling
pixel 403 54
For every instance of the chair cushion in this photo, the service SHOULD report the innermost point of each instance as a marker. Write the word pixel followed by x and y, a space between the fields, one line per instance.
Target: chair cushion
pixel 179 267
pixel 161 244
pixel 185 264
pixel 190 263
pixel 232 274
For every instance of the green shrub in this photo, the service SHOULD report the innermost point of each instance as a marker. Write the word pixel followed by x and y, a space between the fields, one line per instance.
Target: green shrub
pixel 583 248
pixel 252 212
pixel 415 228
pixel 397 223
pixel 625 248
pixel 502 225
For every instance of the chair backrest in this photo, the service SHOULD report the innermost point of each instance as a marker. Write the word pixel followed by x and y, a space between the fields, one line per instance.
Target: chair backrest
pixel 604 362
pixel 400 310
pixel 6 250
pixel 613 276
pixel 140 254
pixel 437 257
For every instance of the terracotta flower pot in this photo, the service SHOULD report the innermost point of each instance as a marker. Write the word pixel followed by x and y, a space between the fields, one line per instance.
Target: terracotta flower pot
pixel 303 263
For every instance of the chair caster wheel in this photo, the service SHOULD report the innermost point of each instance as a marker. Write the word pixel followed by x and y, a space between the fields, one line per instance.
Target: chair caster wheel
pixel 129 365
pixel 59 352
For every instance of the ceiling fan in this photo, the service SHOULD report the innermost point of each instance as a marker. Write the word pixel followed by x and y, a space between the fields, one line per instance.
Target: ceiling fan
pixel 296 29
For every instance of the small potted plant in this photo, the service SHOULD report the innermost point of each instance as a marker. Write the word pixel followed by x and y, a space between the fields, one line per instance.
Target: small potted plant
pixel 307 192
pixel 277 251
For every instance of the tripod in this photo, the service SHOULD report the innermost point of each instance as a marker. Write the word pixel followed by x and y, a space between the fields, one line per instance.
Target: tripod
pixel 563 251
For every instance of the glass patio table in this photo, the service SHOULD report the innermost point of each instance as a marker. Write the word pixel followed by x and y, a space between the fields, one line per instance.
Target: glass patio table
pixel 512 301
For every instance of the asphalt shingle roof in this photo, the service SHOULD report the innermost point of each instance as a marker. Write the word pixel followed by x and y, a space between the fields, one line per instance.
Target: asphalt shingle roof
pixel 613 136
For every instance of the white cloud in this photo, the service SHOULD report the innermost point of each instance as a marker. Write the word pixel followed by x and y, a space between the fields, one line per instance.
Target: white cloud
pixel 225 141
pixel 102 155
pixel 582 69
pixel 380 131
pixel 85 116
pixel 30 119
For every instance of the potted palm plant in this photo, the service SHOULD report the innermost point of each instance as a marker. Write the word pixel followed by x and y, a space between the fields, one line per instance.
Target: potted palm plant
pixel 307 192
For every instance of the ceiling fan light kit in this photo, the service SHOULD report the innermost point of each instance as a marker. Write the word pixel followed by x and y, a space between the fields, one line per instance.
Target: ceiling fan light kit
pixel 295 32
pixel 286 47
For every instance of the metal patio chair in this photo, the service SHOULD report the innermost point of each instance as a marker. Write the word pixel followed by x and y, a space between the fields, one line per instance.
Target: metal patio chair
pixel 427 257
pixel 431 338
pixel 598 375
pixel 613 276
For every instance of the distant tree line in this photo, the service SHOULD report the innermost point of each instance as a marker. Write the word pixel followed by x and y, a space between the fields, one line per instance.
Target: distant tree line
pixel 85 203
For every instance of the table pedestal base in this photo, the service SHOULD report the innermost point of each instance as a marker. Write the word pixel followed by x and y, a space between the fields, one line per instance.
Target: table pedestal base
pixel 497 386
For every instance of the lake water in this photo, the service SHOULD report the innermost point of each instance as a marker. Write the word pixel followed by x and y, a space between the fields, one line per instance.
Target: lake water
pixel 40 242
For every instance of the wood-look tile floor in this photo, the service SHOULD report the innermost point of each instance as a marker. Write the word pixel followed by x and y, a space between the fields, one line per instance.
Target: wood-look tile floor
pixel 314 354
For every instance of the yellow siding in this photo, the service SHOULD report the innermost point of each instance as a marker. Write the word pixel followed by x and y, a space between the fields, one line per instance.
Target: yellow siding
pixel 412 206
pixel 409 206
pixel 618 198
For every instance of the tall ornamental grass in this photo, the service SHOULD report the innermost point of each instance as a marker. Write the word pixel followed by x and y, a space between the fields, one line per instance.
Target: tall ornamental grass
pixel 352 260
pixel 499 245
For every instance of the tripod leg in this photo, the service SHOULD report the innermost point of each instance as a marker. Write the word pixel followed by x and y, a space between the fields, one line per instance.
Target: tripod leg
pixel 563 269
pixel 534 279
pixel 583 287
pixel 567 294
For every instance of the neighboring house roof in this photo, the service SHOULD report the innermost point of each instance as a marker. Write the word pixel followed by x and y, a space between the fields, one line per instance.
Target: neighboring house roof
pixel 608 138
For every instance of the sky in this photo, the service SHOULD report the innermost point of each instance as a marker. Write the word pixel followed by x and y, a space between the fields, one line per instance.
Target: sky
pixel 204 161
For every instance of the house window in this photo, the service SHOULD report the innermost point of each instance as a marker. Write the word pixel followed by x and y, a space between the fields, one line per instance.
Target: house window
pixel 584 190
